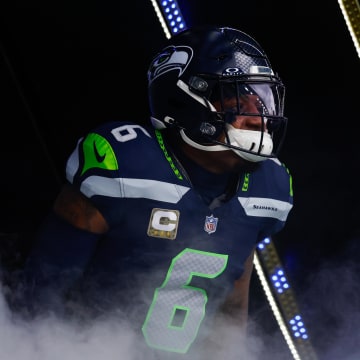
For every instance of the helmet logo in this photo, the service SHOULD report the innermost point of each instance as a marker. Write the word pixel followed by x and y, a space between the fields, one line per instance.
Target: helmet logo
pixel 172 58
pixel 232 71
pixel 254 69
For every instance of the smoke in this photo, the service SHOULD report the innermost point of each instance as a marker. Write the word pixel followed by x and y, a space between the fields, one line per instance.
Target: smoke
pixel 331 303
pixel 54 338
pixel 57 339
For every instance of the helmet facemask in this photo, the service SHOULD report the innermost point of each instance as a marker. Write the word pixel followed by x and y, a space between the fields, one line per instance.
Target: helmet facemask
pixel 192 80
pixel 258 98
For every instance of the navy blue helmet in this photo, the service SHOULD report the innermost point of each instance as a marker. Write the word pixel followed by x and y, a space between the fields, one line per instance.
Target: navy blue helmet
pixel 201 66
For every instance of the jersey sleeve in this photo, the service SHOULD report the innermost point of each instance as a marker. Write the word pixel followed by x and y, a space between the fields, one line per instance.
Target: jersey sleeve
pixel 106 158
pixel 58 258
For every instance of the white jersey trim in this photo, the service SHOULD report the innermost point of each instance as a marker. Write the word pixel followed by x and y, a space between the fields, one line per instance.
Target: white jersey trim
pixel 133 188
pixel 265 207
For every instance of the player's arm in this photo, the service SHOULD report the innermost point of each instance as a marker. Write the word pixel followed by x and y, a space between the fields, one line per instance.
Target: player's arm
pixel 63 247
pixel 230 326
pixel 235 309
pixel 76 209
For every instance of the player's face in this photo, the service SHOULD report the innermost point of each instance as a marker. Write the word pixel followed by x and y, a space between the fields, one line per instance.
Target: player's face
pixel 246 112
pixel 245 109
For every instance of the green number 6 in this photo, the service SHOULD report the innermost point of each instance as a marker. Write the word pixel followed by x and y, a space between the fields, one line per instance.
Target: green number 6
pixel 178 309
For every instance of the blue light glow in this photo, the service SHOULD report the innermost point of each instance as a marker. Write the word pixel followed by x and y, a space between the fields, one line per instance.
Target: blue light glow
pixel 173 18
pixel 279 280
pixel 262 245
pixel 298 328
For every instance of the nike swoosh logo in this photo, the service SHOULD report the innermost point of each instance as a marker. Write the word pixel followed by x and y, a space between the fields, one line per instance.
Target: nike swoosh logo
pixel 99 158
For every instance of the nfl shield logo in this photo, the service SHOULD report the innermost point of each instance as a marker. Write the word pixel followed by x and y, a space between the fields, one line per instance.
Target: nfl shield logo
pixel 210 224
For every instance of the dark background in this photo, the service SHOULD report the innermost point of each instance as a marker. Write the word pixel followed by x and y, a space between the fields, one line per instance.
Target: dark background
pixel 67 67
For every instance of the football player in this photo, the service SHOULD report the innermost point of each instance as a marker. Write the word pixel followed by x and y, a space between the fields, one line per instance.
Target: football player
pixel 158 223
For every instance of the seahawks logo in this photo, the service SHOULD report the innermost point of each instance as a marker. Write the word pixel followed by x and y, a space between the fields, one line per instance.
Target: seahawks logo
pixel 171 58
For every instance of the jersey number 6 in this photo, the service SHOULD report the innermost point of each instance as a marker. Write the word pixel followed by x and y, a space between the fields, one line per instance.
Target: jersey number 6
pixel 178 309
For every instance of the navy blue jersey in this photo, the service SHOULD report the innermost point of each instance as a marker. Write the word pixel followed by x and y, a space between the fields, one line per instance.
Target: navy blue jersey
pixel 169 259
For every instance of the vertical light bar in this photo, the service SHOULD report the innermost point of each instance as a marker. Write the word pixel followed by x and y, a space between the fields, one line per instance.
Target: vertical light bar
pixel 170 16
pixel 272 302
pixel 282 300
pixel 351 12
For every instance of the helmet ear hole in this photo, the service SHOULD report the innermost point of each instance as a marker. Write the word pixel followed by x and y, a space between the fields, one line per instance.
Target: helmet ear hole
pixel 198 84
pixel 207 129
pixel 170 121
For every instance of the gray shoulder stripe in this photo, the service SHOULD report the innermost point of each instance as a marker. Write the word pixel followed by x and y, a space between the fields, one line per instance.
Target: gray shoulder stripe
pixel 133 188
pixel 72 164
pixel 265 207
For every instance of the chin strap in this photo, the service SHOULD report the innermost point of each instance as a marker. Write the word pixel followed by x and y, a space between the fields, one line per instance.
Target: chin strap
pixel 245 143
pixel 196 145
pixel 258 145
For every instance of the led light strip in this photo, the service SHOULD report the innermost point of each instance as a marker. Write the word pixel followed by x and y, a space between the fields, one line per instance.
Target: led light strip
pixel 161 18
pixel 282 300
pixel 169 15
pixel 274 308
pixel 351 12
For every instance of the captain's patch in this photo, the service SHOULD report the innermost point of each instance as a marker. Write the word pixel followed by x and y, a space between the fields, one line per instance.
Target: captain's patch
pixel 163 223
